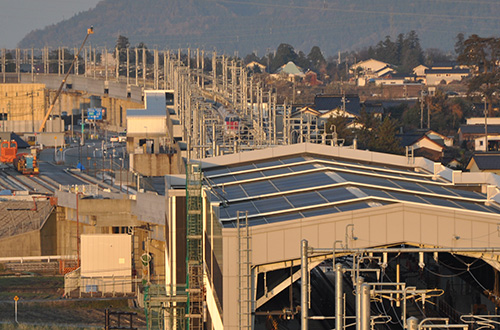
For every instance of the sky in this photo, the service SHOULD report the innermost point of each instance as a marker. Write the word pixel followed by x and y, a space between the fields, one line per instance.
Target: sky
pixel 19 17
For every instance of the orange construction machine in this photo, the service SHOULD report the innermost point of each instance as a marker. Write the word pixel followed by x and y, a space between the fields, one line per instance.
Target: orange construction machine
pixel 26 163
pixel 8 151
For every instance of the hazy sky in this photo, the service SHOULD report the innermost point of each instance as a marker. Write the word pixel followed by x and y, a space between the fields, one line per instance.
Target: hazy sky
pixel 19 17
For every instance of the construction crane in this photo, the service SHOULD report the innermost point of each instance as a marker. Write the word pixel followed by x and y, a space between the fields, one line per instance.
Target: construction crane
pixel 44 121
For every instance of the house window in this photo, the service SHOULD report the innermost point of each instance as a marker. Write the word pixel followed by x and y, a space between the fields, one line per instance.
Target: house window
pixel 481 143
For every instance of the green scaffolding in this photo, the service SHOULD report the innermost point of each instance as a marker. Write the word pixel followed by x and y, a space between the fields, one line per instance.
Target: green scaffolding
pixel 194 252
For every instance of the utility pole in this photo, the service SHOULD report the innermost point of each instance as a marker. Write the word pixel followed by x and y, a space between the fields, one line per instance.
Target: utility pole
pixel 32 112
pixel 485 126
pixel 421 109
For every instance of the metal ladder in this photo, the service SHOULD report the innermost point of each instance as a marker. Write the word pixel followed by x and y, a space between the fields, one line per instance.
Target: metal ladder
pixel 244 272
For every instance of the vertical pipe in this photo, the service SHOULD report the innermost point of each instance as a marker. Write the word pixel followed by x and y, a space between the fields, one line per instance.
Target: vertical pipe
pixel 365 306
pixel 412 323
pixel 338 297
pixel 304 275
pixel 359 283
pixel 398 303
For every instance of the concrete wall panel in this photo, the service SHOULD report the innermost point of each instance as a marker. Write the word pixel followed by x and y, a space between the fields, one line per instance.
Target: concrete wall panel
pixel 412 226
pixel 326 230
pixel 464 229
pixel 276 245
pixel 378 232
pixel 259 248
pixel 445 228
pixel 396 225
pixel 310 232
pixel 290 243
pixel 27 244
pixel 360 231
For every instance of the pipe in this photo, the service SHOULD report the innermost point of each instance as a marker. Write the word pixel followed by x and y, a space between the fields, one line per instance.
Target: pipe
pixel 403 250
pixel 359 282
pixel 338 297
pixel 365 306
pixel 304 271
pixel 77 230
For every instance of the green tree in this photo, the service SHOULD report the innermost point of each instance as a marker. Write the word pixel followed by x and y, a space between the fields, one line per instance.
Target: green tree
pixel 412 54
pixel 122 44
pixel 411 117
pixel 365 131
pixel 316 58
pixel 251 58
pixel 141 49
pixel 284 54
pixel 483 56
pixel 302 61
pixel 338 126
pixel 459 43
pixel 385 137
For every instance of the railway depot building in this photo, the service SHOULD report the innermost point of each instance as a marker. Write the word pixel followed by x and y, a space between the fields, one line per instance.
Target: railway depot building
pixel 258 207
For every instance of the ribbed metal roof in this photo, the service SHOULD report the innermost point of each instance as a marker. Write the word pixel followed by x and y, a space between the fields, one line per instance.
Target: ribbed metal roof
pixel 293 188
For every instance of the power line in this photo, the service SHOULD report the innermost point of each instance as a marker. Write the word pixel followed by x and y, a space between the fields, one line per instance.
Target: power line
pixel 360 11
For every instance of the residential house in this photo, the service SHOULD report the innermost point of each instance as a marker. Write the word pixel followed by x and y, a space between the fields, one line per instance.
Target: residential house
pixel 393 78
pixel 480 121
pixel 369 66
pixel 419 72
pixel 291 70
pixel 445 76
pixel 429 144
pixel 334 105
pixel 252 65
pixel 476 133
pixel 311 78
pixel 370 69
pixel 484 162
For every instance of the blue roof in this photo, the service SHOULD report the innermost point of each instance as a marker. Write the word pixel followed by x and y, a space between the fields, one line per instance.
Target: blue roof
pixel 293 188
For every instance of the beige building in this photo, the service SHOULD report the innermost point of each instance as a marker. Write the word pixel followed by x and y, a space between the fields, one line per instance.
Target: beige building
pixel 22 101
pixel 331 197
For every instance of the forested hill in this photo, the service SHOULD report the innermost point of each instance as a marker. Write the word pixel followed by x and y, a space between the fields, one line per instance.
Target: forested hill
pixel 259 25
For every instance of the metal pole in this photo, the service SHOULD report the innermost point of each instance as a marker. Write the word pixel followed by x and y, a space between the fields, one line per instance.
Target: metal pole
pixel 77 231
pixel 338 297
pixel 15 308
pixel 359 283
pixel 485 126
pixel 365 306
pixel 304 272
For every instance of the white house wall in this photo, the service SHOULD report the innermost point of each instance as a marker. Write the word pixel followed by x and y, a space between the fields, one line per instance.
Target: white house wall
pixel 145 125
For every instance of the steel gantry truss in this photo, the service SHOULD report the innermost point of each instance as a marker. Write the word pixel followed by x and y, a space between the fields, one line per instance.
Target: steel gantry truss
pixel 397 292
